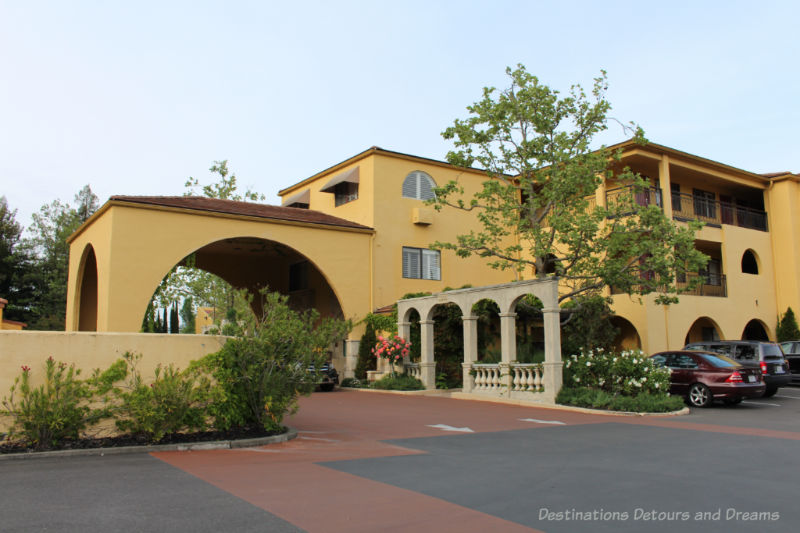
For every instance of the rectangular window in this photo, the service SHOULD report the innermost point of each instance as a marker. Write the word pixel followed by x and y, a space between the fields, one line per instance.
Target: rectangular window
pixel 345 192
pixel 419 263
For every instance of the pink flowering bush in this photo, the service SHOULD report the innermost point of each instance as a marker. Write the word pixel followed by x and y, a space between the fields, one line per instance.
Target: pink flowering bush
pixel 393 349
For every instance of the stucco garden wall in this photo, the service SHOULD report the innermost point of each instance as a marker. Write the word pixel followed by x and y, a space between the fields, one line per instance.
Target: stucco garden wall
pixel 89 350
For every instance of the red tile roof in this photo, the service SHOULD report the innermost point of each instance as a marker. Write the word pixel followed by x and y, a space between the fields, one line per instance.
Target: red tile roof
pixel 250 209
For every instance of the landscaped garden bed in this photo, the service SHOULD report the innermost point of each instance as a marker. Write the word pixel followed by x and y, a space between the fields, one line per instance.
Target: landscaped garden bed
pixel 117 441
pixel 617 381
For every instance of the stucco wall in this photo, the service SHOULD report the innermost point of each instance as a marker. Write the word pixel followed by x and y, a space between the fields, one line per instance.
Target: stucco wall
pixel 88 350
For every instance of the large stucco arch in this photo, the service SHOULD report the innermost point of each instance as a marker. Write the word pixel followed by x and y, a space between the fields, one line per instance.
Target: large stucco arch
pixel 249 272
pixel 137 245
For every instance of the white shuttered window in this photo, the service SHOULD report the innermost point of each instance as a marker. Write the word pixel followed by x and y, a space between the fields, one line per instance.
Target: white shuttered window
pixel 421 264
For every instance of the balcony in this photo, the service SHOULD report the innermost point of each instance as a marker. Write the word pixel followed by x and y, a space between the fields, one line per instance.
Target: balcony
pixel 714 212
pixel 711 285
pixel 645 197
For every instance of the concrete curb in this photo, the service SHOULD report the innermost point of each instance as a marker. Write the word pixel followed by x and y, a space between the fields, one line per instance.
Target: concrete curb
pixel 458 395
pixel 183 447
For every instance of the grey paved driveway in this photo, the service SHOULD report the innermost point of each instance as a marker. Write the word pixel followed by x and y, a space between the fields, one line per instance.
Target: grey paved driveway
pixel 379 462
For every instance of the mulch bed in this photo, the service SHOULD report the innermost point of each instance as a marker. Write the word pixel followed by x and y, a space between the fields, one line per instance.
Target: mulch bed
pixel 141 440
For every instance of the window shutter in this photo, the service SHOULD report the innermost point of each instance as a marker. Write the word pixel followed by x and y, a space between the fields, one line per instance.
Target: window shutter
pixel 411 263
pixel 410 186
pixel 425 188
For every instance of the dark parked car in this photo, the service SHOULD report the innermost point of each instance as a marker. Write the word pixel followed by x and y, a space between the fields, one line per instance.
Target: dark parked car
pixel 702 377
pixel 327 377
pixel 767 356
pixel 791 351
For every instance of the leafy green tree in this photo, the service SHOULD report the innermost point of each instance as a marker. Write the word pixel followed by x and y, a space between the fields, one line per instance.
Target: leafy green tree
pixel 787 327
pixel 225 187
pixel 174 320
pixel 188 316
pixel 536 206
pixel 366 360
pixel 266 367
pixel 589 327
pixel 15 261
pixel 49 251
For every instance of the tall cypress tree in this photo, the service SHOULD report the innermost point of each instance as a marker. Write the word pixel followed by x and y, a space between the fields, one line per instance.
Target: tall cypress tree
pixel 787 327
pixel 174 321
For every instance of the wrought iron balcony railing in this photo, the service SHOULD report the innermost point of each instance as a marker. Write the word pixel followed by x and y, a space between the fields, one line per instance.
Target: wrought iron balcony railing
pixel 711 285
pixel 691 207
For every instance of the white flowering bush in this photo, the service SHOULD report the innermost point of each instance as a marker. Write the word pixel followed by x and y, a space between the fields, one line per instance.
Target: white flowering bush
pixel 626 373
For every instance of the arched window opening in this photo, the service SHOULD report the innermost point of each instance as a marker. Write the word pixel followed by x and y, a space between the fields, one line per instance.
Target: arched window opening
pixel 749 263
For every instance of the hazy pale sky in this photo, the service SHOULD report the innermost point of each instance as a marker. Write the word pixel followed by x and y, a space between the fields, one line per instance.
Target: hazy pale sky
pixel 135 97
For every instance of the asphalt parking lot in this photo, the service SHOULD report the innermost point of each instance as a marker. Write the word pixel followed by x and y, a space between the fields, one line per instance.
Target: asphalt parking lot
pixel 381 462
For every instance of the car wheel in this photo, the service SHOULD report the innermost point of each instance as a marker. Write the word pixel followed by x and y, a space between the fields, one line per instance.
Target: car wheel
pixel 700 395
pixel 770 392
pixel 732 401
pixel 326 387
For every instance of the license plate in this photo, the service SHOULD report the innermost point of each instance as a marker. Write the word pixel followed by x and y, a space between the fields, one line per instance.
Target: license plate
pixel 779 370
pixel 751 379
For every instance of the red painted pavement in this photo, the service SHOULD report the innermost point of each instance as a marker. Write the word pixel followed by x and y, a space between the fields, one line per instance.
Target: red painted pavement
pixel 285 480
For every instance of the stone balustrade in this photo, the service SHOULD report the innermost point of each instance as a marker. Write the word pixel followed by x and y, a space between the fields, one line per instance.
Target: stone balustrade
pixel 527 377
pixel 413 370
pixel 487 378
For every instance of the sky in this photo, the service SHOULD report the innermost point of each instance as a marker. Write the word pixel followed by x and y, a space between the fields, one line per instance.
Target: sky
pixel 133 98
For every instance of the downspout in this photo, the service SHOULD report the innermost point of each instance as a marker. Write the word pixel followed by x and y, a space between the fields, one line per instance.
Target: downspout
pixel 371 272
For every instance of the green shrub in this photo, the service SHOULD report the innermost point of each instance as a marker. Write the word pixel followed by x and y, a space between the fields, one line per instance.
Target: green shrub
pixel 600 399
pixel 787 329
pixel 366 359
pixel 59 409
pixel 626 373
pixel 174 402
pixel 353 383
pixel 398 382
pixel 260 373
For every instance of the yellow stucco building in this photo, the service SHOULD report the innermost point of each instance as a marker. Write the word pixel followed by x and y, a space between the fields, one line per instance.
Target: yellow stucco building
pixel 356 237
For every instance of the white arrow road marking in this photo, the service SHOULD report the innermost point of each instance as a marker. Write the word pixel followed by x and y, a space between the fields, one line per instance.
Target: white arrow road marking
pixel 445 427
pixel 555 422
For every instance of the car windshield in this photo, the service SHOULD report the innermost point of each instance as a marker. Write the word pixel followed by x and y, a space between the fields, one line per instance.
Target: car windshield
pixel 719 361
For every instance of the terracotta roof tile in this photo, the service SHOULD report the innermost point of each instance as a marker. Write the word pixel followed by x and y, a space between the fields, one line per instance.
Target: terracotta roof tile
pixel 251 209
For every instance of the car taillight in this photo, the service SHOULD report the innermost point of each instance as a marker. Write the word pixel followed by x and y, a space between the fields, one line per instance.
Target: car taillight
pixel 764 368
pixel 736 377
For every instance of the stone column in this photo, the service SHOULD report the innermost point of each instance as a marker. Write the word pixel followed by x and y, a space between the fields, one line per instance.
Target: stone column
pixel 470 350
pixel 351 357
pixel 508 345
pixel 404 330
pixel 664 183
pixel 427 366
pixel 552 379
